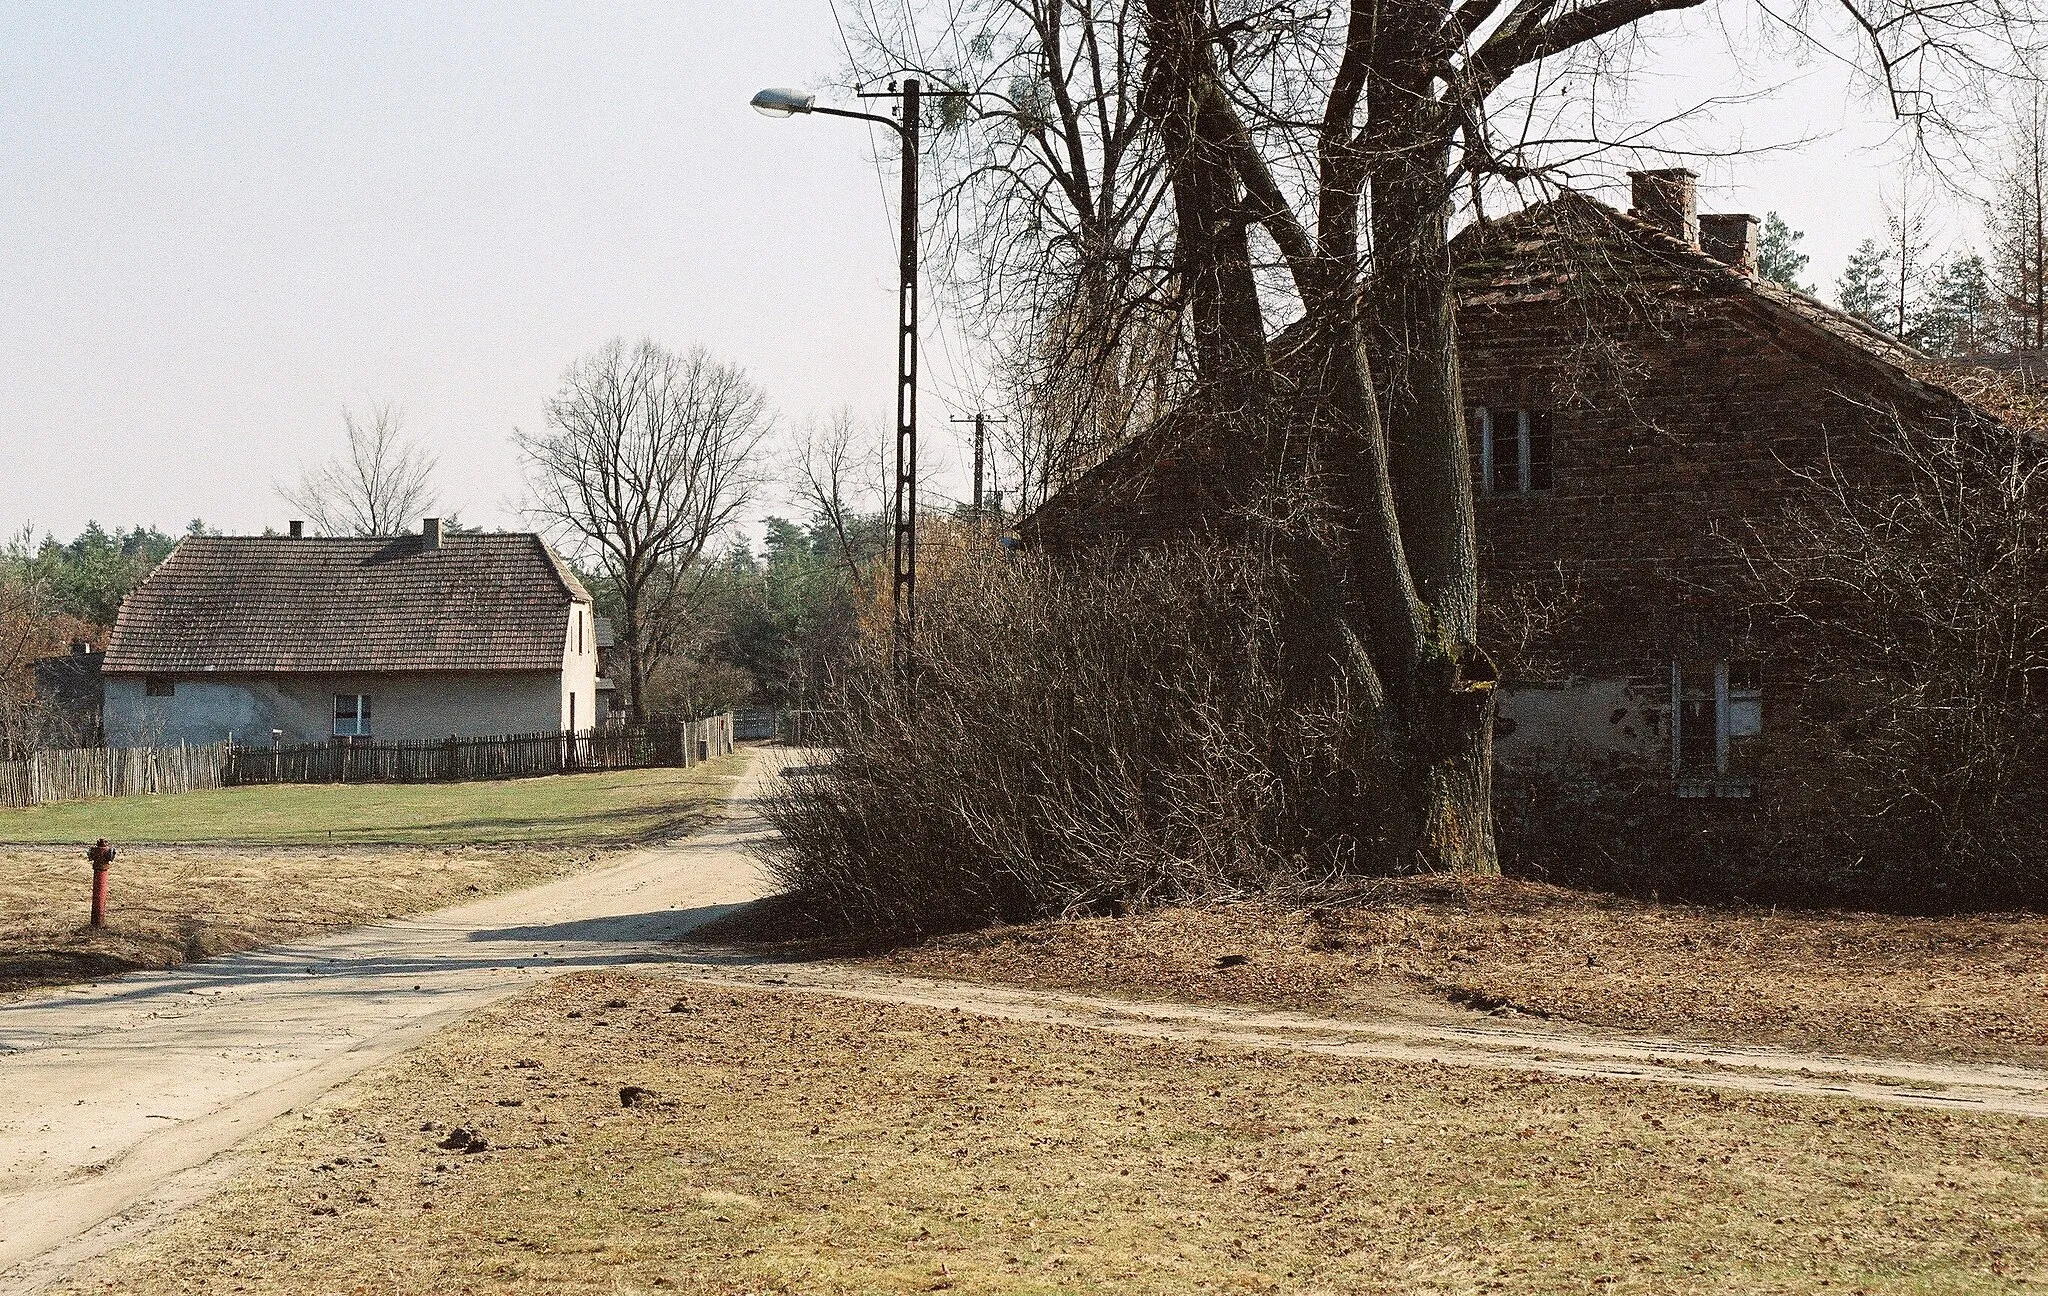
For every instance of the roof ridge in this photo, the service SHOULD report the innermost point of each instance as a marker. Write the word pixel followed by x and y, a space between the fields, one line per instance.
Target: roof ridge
pixel 267 604
pixel 571 585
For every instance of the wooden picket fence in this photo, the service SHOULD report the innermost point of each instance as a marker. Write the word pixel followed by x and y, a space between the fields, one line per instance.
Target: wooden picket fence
pixel 75 774
pixel 503 756
pixel 80 773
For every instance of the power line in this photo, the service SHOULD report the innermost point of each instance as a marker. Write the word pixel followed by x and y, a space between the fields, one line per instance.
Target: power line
pixel 981 422
pixel 958 396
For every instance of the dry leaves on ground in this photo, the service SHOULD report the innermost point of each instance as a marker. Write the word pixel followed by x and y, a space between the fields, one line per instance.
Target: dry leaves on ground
pixel 636 1133
pixel 1845 982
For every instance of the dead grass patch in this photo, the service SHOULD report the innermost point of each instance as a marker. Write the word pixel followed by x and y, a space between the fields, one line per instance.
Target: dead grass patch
pixel 1973 987
pixel 638 1133
pixel 174 904
pixel 447 842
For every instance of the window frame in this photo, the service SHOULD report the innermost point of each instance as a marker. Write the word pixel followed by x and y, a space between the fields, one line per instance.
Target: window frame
pixel 1747 693
pixel 1485 418
pixel 1530 428
pixel 358 717
pixel 159 686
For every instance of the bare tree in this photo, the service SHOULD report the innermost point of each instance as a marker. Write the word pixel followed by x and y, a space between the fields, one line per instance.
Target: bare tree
pixel 377 486
pixel 2019 226
pixel 842 478
pixel 1048 214
pixel 647 456
pixel 1907 226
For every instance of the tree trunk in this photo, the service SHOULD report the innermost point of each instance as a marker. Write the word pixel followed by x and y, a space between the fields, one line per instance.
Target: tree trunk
pixel 1448 716
pixel 1389 613
pixel 633 633
pixel 1212 227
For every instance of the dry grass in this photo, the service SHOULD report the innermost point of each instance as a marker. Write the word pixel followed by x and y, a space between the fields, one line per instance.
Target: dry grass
pixel 173 904
pixel 1850 982
pixel 794 1144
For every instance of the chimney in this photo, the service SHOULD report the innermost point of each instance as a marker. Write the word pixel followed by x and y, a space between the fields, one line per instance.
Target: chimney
pixel 298 529
pixel 1731 240
pixel 431 529
pixel 1668 199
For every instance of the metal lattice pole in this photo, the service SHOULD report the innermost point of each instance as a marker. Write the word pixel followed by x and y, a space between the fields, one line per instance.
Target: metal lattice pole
pixel 903 593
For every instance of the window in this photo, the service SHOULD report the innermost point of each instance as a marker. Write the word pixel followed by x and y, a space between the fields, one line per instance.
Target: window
pixel 1516 451
pixel 1745 700
pixel 579 632
pixel 352 715
pixel 158 686
pixel 1714 704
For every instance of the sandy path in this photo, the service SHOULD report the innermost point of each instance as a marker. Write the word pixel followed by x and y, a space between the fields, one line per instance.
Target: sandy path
pixel 117 1099
pixel 1551 1049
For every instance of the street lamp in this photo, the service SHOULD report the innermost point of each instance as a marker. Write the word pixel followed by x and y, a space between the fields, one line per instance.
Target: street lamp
pixel 784 103
pixel 903 591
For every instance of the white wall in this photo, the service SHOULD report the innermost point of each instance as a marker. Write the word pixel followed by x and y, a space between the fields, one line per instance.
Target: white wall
pixel 579 669
pixel 1584 718
pixel 403 708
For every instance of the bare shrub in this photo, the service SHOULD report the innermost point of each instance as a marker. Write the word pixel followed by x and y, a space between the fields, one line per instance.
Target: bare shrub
pixel 1917 595
pixel 1080 741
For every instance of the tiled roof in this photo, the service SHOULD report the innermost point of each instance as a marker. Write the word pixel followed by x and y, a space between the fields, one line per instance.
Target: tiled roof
pixel 1575 246
pixel 263 604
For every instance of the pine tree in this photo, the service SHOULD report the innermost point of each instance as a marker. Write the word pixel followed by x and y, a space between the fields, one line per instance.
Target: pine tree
pixel 1778 257
pixel 1865 288
pixel 1958 316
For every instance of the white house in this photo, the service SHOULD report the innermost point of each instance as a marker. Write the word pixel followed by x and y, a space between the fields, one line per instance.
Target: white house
pixel 436 635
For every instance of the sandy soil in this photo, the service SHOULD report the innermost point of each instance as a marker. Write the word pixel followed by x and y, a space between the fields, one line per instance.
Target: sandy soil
pixel 646 1133
pixel 121 1095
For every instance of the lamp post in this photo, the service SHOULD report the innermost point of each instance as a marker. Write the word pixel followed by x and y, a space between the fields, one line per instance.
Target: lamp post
pixel 903 590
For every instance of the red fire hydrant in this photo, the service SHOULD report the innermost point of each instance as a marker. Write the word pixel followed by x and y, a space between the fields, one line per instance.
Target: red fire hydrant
pixel 102 857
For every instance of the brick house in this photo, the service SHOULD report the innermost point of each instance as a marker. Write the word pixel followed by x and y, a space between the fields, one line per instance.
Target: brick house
pixel 1639 401
pixel 405 638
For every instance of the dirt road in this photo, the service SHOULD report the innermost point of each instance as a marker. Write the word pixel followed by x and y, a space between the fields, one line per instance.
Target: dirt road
pixel 120 1097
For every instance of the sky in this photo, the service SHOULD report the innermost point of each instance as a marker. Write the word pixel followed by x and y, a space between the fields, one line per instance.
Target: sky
pixel 225 222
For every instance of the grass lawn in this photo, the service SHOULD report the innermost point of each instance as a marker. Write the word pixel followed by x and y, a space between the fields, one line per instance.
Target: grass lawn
pixel 794 1144
pixel 612 808
pixel 396 850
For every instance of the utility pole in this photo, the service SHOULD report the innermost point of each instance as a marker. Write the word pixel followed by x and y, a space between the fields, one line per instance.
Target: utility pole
pixel 906 124
pixel 981 422
pixel 903 590
pixel 903 593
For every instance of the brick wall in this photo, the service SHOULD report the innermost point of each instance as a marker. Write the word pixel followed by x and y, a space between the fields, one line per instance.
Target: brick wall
pixel 1676 439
